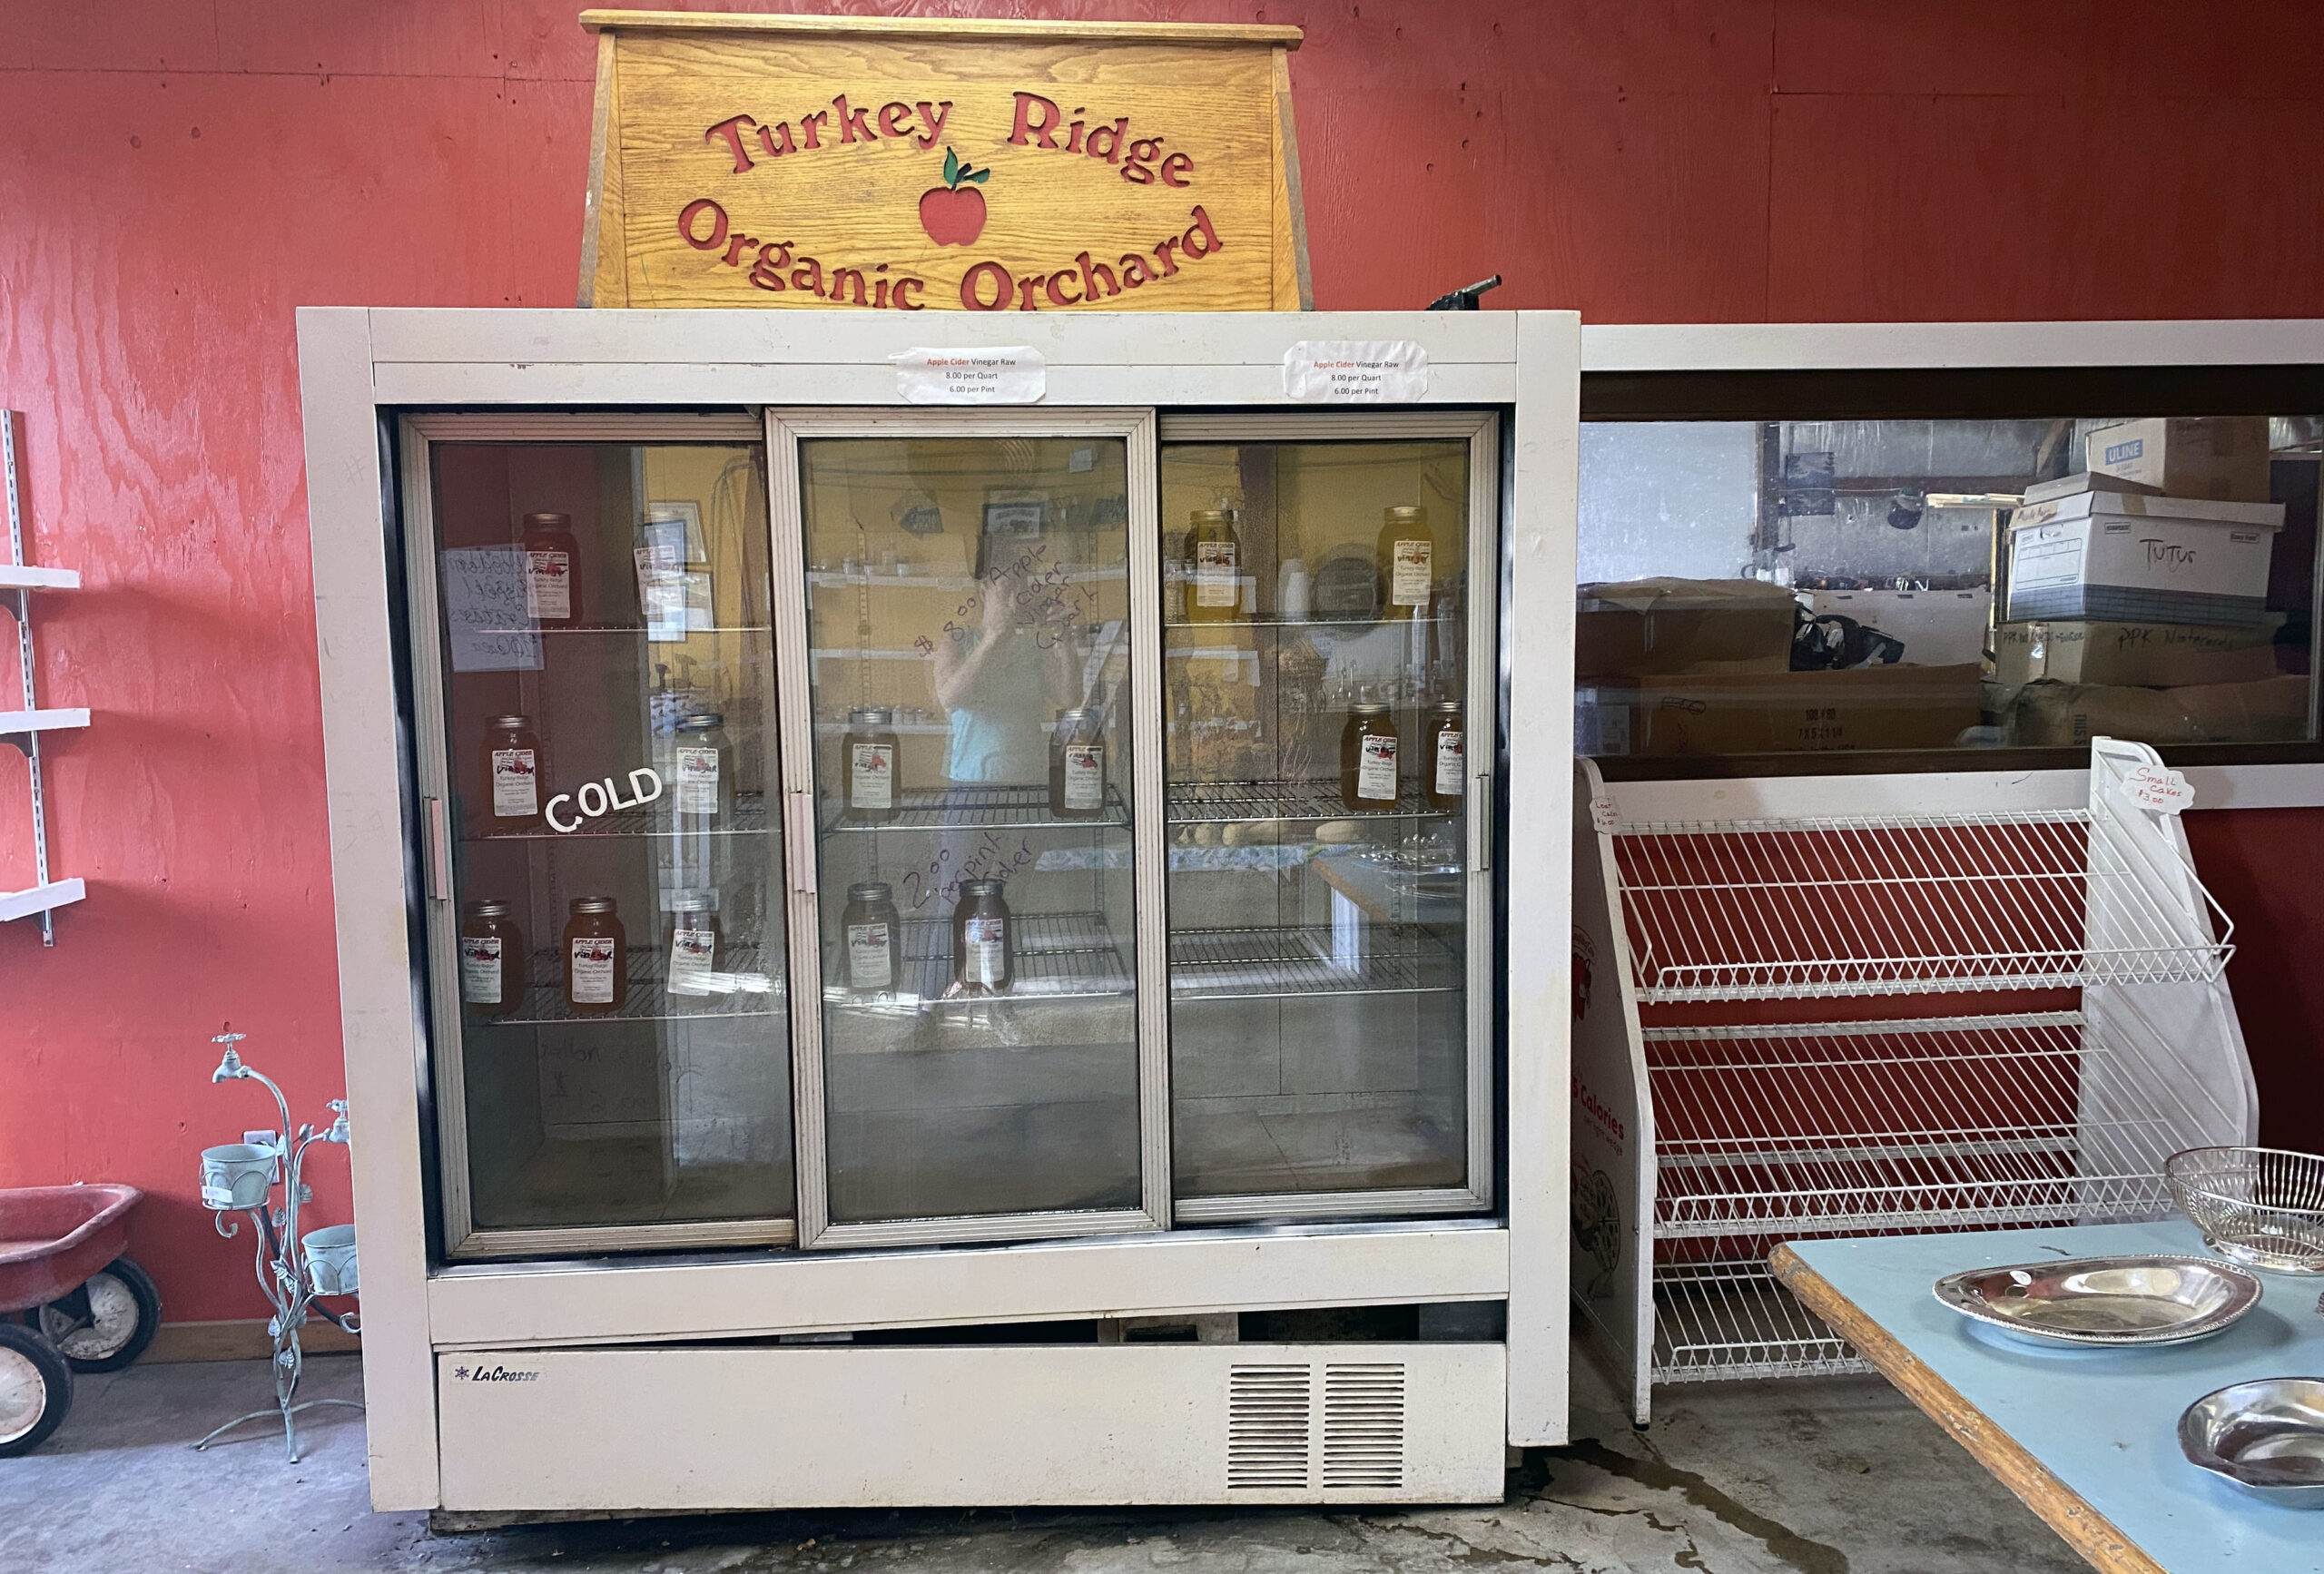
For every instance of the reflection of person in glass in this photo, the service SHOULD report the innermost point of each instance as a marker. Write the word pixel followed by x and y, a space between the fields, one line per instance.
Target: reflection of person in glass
pixel 1005 678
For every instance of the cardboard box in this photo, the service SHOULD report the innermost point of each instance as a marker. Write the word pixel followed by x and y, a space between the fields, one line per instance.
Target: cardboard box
pixel 2128 559
pixel 2139 655
pixel 2223 457
pixel 1886 707
pixel 1664 626
pixel 1939 628
pixel 2085 481
pixel 2063 716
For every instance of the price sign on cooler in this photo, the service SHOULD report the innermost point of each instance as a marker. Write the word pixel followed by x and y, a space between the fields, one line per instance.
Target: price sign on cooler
pixel 1604 817
pixel 2157 787
pixel 1350 371
pixel 1014 376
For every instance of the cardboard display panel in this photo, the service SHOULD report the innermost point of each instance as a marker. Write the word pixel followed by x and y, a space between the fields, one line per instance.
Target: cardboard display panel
pixel 909 165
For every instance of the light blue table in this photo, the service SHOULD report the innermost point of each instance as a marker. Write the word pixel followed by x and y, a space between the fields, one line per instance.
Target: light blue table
pixel 2089 1439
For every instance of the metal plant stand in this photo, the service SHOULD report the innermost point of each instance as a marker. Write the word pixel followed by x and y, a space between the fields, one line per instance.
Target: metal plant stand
pixel 282 1276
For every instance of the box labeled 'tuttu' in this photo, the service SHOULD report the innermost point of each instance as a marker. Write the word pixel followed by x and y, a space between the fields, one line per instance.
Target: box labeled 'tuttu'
pixel 2138 560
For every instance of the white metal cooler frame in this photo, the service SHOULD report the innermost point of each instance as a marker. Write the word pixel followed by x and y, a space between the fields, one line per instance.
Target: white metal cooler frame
pixel 658 1382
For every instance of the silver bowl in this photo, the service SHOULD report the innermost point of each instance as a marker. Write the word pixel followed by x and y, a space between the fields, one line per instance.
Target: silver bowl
pixel 2266 1436
pixel 2262 1207
pixel 2122 1301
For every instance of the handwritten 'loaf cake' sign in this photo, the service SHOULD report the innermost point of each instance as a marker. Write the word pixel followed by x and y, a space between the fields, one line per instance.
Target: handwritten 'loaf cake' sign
pixel 906 164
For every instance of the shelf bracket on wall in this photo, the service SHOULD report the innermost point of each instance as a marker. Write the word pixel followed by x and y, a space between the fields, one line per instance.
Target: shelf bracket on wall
pixel 24 728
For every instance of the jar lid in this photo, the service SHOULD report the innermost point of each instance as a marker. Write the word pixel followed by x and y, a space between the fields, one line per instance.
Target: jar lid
pixel 549 521
pixel 1076 713
pixel 872 715
pixel 981 887
pixel 701 721
pixel 1446 707
pixel 870 890
pixel 1404 514
pixel 1211 517
pixel 1368 708
pixel 694 902
pixel 591 904
pixel 510 724
pixel 491 908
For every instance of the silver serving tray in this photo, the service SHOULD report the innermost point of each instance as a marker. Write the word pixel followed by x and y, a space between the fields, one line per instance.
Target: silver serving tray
pixel 2266 1436
pixel 2116 1302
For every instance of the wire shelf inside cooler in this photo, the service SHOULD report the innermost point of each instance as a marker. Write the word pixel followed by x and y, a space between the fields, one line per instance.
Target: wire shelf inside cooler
pixel 1059 956
pixel 1367 959
pixel 1725 1321
pixel 1784 908
pixel 978 809
pixel 1211 803
pixel 756 991
pixel 1954 1122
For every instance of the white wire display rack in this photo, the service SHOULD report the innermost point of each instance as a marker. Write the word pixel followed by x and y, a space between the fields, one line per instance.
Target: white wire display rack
pixel 1725 1132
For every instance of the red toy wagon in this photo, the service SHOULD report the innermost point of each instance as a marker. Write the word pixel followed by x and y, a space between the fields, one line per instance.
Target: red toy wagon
pixel 84 1306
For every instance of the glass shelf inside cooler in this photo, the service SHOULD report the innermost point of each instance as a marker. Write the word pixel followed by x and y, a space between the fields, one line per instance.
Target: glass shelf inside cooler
pixel 981 809
pixel 1060 956
pixel 1372 958
pixel 649 1000
pixel 749 820
pixel 1212 802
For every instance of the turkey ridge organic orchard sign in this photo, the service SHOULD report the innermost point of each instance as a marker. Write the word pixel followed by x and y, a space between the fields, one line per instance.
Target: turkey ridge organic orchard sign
pixel 910 164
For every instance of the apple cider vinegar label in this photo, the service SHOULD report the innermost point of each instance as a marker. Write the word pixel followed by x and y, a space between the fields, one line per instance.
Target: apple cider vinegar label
pixel 872 776
pixel 869 964
pixel 692 954
pixel 515 784
pixel 1448 763
pixel 1376 770
pixel 697 784
pixel 1085 776
pixel 593 971
pixel 549 585
pixel 1410 578
pixel 480 969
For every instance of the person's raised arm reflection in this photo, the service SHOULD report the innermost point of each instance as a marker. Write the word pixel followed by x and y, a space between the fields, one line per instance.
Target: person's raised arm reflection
pixel 1003 679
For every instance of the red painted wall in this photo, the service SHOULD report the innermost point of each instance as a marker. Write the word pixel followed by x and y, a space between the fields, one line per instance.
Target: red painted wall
pixel 175 179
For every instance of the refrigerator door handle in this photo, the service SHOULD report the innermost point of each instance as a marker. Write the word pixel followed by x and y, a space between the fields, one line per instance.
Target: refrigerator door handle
pixel 439 849
pixel 1480 808
pixel 799 806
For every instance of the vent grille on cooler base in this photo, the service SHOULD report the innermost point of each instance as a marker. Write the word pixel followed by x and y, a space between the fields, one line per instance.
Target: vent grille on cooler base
pixel 1267 1427
pixel 1363 1425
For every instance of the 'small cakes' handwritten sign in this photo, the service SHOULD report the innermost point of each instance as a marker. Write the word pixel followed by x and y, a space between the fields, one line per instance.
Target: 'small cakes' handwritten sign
pixel 915 165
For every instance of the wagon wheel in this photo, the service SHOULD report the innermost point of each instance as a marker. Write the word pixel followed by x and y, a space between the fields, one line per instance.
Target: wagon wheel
pixel 108 1322
pixel 35 1389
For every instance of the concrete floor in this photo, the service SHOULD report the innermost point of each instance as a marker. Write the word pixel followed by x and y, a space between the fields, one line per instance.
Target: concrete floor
pixel 1838 1476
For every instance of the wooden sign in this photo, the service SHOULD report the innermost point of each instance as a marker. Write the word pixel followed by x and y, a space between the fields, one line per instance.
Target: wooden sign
pixel 916 165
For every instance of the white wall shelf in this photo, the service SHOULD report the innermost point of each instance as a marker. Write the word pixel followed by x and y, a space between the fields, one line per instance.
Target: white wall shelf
pixel 24 576
pixel 22 728
pixel 40 898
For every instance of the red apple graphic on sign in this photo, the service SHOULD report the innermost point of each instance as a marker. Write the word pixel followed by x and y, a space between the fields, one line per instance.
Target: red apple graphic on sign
pixel 953 212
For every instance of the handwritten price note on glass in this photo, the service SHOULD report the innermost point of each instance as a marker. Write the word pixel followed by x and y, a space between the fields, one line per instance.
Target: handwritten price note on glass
pixel 1016 376
pixel 1354 371
pixel 2154 787
pixel 485 611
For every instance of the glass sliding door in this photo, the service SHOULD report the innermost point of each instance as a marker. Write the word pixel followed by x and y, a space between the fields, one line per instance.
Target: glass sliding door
pixel 1330 694
pixel 967 717
pixel 594 668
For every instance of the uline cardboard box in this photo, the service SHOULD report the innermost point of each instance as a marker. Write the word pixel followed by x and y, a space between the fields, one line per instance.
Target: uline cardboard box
pixel 1641 627
pixel 2128 559
pixel 2138 655
pixel 1883 707
pixel 2068 716
pixel 2220 458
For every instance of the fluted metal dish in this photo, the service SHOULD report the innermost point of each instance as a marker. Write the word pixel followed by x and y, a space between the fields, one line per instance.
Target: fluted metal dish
pixel 2266 1436
pixel 2262 1207
pixel 2120 1302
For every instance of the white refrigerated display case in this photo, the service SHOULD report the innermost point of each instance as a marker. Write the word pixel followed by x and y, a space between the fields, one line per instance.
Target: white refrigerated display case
pixel 896 953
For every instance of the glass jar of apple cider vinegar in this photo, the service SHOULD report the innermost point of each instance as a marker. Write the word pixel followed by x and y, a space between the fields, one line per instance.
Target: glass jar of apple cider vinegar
pixel 1213 566
pixel 596 958
pixel 1368 750
pixel 1407 563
